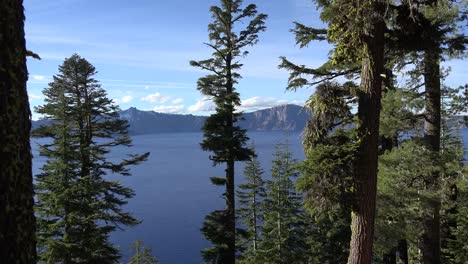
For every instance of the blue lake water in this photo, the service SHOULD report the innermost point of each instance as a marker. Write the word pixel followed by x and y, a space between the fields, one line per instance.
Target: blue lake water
pixel 174 193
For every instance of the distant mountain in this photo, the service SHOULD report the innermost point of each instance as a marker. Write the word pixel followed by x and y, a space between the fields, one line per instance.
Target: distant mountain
pixel 280 118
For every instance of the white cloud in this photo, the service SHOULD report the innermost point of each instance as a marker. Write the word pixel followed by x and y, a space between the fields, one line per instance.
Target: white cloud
pixel 171 109
pixel 39 77
pixel 177 100
pixel 124 100
pixel 155 98
pixel 34 97
pixel 127 99
pixel 203 105
pixel 257 103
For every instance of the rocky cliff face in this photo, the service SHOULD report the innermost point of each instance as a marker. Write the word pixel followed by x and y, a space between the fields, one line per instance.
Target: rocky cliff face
pixel 280 118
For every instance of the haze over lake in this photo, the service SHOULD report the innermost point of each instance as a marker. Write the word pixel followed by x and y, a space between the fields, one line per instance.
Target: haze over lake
pixel 174 193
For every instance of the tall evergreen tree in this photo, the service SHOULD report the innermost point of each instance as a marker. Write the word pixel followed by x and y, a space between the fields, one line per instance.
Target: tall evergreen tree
pixel 221 134
pixel 77 206
pixel 142 255
pixel 250 196
pixel 17 222
pixel 283 231
pixel 356 28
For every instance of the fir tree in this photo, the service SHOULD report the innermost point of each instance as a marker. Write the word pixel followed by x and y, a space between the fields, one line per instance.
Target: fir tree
pixel 221 134
pixel 327 173
pixel 77 206
pixel 17 222
pixel 250 196
pixel 357 30
pixel 284 230
pixel 142 255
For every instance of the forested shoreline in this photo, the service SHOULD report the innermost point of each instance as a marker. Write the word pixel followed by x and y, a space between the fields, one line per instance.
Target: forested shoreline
pixel 384 178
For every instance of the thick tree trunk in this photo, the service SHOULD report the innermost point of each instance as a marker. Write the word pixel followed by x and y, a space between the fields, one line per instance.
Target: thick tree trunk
pixel 17 221
pixel 363 216
pixel 431 235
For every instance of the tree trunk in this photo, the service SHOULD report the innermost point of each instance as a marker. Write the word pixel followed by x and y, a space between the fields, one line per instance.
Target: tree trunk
pixel 230 208
pixel 17 221
pixel 403 251
pixel 390 258
pixel 363 215
pixel 431 235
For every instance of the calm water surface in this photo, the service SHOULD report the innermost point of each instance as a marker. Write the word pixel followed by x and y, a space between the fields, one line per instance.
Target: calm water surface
pixel 174 193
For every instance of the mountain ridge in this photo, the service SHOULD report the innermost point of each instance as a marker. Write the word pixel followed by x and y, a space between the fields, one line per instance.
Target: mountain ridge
pixel 287 117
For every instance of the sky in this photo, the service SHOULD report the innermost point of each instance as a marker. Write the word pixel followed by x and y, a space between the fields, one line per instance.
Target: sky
pixel 142 48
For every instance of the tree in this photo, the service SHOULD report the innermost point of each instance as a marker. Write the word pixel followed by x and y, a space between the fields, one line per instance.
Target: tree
pixel 77 207
pixel 142 255
pixel 284 223
pixel 250 210
pixel 221 134
pixel 17 221
pixel 357 30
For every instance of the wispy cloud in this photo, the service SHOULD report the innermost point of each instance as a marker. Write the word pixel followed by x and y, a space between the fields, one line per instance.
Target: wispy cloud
pixel 171 109
pixel 177 100
pixel 34 96
pixel 257 103
pixel 124 100
pixel 155 98
pixel 202 105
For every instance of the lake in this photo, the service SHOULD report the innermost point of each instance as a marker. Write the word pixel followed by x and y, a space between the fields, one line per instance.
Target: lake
pixel 174 193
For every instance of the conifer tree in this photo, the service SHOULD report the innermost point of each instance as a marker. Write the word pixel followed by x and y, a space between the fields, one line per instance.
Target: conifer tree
pixel 77 206
pixel 356 28
pixel 327 173
pixel 142 255
pixel 228 40
pixel 250 196
pixel 284 230
pixel 17 222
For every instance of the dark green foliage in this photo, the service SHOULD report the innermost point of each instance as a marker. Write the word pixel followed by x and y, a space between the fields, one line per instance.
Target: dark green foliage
pixel 77 207
pixel 285 222
pixel 142 255
pixel 250 199
pixel 327 174
pixel 221 134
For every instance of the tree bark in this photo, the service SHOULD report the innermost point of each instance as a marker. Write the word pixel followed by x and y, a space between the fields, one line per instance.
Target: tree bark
pixel 17 221
pixel 431 235
pixel 230 208
pixel 403 251
pixel 363 215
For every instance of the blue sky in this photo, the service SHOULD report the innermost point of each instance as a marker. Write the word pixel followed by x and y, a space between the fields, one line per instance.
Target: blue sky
pixel 142 50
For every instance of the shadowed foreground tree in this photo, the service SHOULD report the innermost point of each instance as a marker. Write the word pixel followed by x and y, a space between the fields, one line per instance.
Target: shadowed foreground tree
pixel 77 205
pixel 221 134
pixel 17 222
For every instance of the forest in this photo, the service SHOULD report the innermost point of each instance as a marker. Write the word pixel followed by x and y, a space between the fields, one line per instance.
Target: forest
pixel 384 178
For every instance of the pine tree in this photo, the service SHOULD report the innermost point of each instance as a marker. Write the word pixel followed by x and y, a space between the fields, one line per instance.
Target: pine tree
pixel 250 196
pixel 77 206
pixel 221 134
pixel 142 255
pixel 17 221
pixel 284 224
